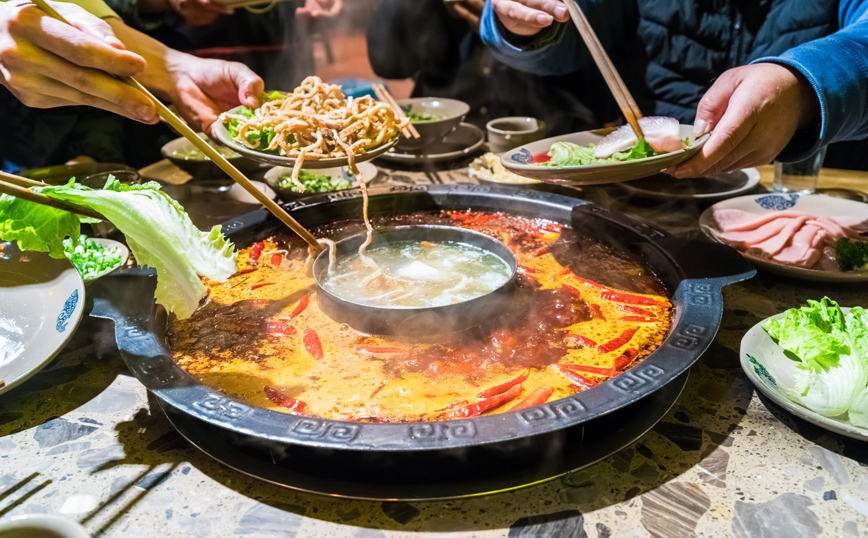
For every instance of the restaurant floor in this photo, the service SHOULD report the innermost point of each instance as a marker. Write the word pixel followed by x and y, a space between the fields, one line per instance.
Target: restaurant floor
pixel 83 440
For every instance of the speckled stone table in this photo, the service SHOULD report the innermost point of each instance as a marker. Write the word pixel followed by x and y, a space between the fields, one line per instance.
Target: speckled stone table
pixel 83 440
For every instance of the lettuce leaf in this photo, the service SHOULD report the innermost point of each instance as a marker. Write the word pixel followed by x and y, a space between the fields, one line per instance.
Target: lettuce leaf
pixel 563 154
pixel 35 226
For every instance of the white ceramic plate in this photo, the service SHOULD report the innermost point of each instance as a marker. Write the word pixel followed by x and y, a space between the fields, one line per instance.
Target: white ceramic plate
pixel 41 304
pixel 519 160
pixel 711 188
pixel 41 526
pixel 772 372
pixel 281 160
pixel 817 204
pixel 462 142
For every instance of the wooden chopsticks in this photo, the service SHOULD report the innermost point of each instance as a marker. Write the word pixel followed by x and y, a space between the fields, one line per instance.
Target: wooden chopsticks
pixel 19 187
pixel 206 148
pixel 386 97
pixel 622 95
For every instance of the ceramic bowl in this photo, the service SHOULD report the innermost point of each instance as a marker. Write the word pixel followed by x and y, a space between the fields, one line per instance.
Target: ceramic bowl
pixel 41 526
pixel 513 131
pixel 274 176
pixel 183 154
pixel 449 112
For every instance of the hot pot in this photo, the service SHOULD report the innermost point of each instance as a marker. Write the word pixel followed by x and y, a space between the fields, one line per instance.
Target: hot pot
pixel 405 455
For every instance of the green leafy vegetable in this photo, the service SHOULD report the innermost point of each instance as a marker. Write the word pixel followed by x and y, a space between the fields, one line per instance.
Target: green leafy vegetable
pixel 642 150
pixel 35 226
pixel 259 139
pixel 416 117
pixel 91 258
pixel 563 154
pixel 314 182
pixel 831 350
pixel 851 255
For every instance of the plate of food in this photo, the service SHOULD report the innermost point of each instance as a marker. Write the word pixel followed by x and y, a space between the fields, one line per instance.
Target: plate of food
pixel 712 188
pixel 314 125
pixel 41 304
pixel 605 155
pixel 488 169
pixel 316 181
pixel 813 362
pixel 813 237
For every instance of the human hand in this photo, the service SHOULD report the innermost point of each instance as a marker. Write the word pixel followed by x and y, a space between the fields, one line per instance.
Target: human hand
pixel 470 11
pixel 528 17
pixel 46 63
pixel 200 12
pixel 319 8
pixel 753 112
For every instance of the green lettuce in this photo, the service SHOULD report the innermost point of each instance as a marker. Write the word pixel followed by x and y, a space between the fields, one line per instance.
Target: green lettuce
pixel 35 226
pixel 260 139
pixel 563 154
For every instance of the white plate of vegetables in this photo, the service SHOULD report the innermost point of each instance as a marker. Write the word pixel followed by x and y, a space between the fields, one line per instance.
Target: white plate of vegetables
pixel 316 181
pixel 95 257
pixel 813 362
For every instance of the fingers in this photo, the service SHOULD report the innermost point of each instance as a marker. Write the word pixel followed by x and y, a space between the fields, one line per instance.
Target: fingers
pixel 725 147
pixel 88 23
pixel 528 17
pixel 714 103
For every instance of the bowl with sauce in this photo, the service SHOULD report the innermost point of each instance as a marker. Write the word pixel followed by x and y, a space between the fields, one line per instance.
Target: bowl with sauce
pixel 183 154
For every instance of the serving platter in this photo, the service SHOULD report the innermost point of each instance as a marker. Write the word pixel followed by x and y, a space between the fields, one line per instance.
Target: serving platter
pixel 572 449
pixel 41 304
pixel 520 160
pixel 761 204
pixel 772 373
pixel 711 188
pixel 465 140
pixel 225 137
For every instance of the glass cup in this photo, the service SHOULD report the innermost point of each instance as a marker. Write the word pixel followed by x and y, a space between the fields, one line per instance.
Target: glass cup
pixel 799 177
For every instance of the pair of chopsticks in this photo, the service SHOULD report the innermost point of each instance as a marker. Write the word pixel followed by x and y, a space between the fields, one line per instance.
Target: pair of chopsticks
pixel 19 187
pixel 622 95
pixel 169 117
pixel 383 95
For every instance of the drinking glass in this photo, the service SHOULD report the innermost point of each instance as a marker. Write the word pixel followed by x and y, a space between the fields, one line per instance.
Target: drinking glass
pixel 799 177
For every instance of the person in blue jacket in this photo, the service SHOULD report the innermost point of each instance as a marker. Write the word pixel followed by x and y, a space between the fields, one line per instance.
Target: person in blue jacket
pixel 770 78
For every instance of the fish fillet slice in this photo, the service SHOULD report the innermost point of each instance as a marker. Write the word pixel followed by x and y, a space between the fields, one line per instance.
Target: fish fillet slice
pixel 662 133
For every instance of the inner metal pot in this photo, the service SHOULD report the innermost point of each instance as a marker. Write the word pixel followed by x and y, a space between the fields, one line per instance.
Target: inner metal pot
pixel 419 320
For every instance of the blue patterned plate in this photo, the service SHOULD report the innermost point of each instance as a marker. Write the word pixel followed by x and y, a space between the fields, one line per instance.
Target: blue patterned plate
pixel 815 204
pixel 41 304
pixel 521 160
pixel 772 373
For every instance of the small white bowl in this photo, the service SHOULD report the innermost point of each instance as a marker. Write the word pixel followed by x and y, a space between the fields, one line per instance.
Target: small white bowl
pixel 41 526
pixel 109 243
pixel 237 193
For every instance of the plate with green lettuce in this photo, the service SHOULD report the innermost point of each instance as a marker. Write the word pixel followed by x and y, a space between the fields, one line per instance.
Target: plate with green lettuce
pixel 813 362
pixel 570 159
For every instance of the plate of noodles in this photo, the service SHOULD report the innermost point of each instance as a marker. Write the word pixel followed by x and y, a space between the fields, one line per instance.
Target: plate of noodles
pixel 315 126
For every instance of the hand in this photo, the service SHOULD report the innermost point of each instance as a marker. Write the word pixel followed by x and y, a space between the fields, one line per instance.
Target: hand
pixel 200 12
pixel 470 11
pixel 319 8
pixel 753 112
pixel 528 17
pixel 46 63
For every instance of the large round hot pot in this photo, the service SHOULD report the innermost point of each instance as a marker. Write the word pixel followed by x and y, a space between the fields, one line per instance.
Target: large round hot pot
pixel 501 450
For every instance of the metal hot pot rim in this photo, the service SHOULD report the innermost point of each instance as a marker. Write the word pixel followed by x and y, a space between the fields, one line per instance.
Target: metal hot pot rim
pixel 696 271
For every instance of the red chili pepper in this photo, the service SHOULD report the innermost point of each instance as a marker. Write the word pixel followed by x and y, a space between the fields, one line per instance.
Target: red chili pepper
pixel 371 350
pixel 563 271
pixel 596 312
pixel 636 310
pixel 538 396
pixel 583 340
pixel 540 252
pixel 207 293
pixel 552 227
pixel 576 378
pixel 460 216
pixel 631 299
pixel 639 319
pixel 276 260
pixel 623 361
pixel 572 289
pixel 608 372
pixel 617 342
pixel 280 327
pixel 312 344
pixel 383 384
pixel 482 219
pixel 256 251
pixel 260 285
pixel 526 269
pixel 284 401
pixel 500 389
pixel 302 304
pixel 477 408
pixel 248 270
pixel 591 283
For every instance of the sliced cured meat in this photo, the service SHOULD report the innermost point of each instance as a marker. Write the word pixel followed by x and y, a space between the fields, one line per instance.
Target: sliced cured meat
pixel 736 220
pixel 756 235
pixel 805 248
pixel 661 132
pixel 775 244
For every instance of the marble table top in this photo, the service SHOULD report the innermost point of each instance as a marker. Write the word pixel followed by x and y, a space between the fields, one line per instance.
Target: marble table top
pixel 82 439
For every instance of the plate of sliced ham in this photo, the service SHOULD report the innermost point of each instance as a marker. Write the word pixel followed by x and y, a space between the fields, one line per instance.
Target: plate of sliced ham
pixel 799 236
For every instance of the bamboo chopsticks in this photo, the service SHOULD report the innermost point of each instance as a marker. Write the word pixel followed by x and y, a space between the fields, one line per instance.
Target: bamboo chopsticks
pixel 206 148
pixel 18 187
pixel 622 95
pixel 383 95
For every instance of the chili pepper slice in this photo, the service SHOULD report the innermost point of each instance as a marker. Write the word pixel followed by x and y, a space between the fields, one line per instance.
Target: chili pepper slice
pixel 276 260
pixel 482 219
pixel 572 289
pixel 312 344
pixel 639 319
pixel 500 389
pixel 540 252
pixel 583 340
pixel 302 304
pixel 371 350
pixel 608 372
pixel 477 408
pixel 624 360
pixel 591 283
pixel 260 285
pixel 284 401
pixel 596 312
pixel 617 342
pixel 630 299
pixel 526 269
pixel 576 377
pixel 538 396
pixel 461 216
pixel 552 227
pixel 280 327
pixel 256 251
pixel 383 384
pixel 636 310
pixel 563 271
pixel 246 271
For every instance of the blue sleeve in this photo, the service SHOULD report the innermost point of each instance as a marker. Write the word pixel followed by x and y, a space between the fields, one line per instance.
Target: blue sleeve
pixel 837 68
pixel 556 50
